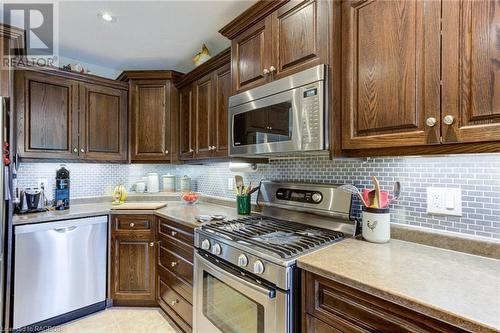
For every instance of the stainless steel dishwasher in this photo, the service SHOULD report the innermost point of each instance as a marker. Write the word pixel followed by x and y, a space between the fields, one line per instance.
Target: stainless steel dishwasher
pixel 59 268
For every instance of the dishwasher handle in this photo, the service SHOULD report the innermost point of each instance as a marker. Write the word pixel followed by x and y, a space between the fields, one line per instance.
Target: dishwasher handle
pixel 63 230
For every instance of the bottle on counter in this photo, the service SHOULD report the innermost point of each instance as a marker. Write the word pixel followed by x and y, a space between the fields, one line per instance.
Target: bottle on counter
pixel 62 188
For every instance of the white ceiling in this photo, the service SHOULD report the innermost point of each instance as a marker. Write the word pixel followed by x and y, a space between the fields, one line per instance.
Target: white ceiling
pixel 147 34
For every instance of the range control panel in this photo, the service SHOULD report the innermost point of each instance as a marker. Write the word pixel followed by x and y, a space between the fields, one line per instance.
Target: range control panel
pixel 313 197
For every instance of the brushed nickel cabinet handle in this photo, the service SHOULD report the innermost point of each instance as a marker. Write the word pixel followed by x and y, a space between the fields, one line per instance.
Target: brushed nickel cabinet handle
pixel 175 301
pixel 265 71
pixel 448 120
pixel 173 264
pixel 214 148
pixel 131 224
pixel 173 233
pixel 272 69
pixel 82 150
pixel 431 122
pixel 166 152
pixel 152 244
pixel 75 150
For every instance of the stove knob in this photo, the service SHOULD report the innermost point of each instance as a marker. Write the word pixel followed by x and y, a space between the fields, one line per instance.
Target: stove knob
pixel 216 249
pixel 316 197
pixel 258 267
pixel 242 260
pixel 205 245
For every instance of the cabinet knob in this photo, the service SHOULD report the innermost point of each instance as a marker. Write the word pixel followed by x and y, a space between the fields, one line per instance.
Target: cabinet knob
pixel 175 301
pixel 209 147
pixel 152 244
pixel 132 224
pixel 166 152
pixel 82 150
pixel 173 264
pixel 191 150
pixel 214 148
pixel 265 71
pixel 173 233
pixel 272 69
pixel 431 121
pixel 75 150
pixel 448 120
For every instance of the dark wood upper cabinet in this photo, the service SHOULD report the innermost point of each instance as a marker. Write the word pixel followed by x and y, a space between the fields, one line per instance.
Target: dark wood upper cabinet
pixel 222 89
pixel 203 110
pixel 186 135
pixel 300 36
pixel 391 73
pixel 47 116
pixel 153 115
pixel 11 46
pixel 103 123
pixel 471 71
pixel 70 116
pixel 204 94
pixel 273 39
pixel 251 56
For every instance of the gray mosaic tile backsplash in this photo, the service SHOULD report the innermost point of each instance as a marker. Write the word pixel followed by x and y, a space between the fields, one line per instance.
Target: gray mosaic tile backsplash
pixel 477 175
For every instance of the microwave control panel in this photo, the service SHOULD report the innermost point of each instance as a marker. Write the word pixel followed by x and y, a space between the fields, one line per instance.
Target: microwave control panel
pixel 312 118
pixel 314 197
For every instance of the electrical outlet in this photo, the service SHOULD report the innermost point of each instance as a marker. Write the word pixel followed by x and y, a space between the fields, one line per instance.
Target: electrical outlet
pixel 444 201
pixel 230 183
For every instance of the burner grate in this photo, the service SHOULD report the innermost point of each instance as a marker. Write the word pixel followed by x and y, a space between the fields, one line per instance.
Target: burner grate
pixel 286 239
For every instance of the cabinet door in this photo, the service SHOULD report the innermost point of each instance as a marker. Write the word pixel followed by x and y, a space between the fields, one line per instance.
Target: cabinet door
pixel 471 71
pixel 186 142
pixel 222 82
pixel 250 55
pixel 150 120
pixel 47 116
pixel 300 36
pixel 391 73
pixel 203 110
pixel 103 123
pixel 133 271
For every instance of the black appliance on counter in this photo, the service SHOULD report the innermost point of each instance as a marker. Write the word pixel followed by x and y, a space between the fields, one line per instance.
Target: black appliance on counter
pixel 31 200
pixel 62 188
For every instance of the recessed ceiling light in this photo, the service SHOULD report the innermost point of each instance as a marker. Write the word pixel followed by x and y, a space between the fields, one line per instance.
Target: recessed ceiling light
pixel 107 17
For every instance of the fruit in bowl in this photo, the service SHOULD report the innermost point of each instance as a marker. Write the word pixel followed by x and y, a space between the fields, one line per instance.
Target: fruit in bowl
pixel 190 197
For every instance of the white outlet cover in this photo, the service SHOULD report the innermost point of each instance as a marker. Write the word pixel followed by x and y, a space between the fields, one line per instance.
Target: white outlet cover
pixel 444 201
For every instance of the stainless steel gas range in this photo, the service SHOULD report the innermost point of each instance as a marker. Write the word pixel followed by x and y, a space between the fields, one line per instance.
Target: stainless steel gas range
pixel 245 279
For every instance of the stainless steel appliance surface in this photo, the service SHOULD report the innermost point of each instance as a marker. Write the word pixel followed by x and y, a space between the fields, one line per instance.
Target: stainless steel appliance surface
pixel 284 116
pixel 245 277
pixel 59 267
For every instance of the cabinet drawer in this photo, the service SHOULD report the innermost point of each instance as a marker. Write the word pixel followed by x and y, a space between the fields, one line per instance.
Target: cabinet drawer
pixel 177 284
pixel 179 248
pixel 176 264
pixel 175 232
pixel 314 325
pixel 175 302
pixel 350 310
pixel 133 222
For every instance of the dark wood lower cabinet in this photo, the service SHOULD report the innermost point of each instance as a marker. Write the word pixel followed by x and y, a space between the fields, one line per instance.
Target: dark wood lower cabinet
pixel 334 307
pixel 152 264
pixel 133 260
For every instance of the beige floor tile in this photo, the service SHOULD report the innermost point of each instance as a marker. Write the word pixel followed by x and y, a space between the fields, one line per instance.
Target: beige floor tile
pixel 120 320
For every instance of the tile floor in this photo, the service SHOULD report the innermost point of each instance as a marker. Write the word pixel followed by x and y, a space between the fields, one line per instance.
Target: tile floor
pixel 120 320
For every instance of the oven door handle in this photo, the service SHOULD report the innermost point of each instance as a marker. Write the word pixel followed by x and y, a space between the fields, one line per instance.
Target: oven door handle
pixel 271 293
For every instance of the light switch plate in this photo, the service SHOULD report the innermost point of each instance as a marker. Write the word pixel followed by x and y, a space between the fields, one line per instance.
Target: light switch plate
pixel 444 201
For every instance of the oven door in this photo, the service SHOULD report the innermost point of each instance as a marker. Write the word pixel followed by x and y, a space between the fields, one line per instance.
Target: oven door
pixel 267 125
pixel 228 303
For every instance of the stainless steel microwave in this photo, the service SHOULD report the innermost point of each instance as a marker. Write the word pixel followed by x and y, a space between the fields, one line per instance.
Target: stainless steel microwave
pixel 284 116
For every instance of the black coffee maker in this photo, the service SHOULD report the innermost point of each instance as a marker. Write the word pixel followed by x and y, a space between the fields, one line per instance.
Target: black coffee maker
pixel 31 200
pixel 62 188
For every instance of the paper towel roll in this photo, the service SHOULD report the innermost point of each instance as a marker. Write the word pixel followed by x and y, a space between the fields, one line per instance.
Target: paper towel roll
pixel 242 167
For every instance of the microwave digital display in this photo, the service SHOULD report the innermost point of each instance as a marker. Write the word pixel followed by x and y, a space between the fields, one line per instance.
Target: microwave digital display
pixel 310 92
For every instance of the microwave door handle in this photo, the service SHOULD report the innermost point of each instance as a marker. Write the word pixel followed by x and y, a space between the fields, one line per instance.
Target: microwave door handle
pixel 271 293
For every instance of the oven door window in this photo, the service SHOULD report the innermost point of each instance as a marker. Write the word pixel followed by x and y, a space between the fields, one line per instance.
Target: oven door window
pixel 228 309
pixel 271 123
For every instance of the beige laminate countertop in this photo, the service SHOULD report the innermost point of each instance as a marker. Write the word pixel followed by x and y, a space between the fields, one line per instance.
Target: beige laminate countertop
pixel 458 288
pixel 175 210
